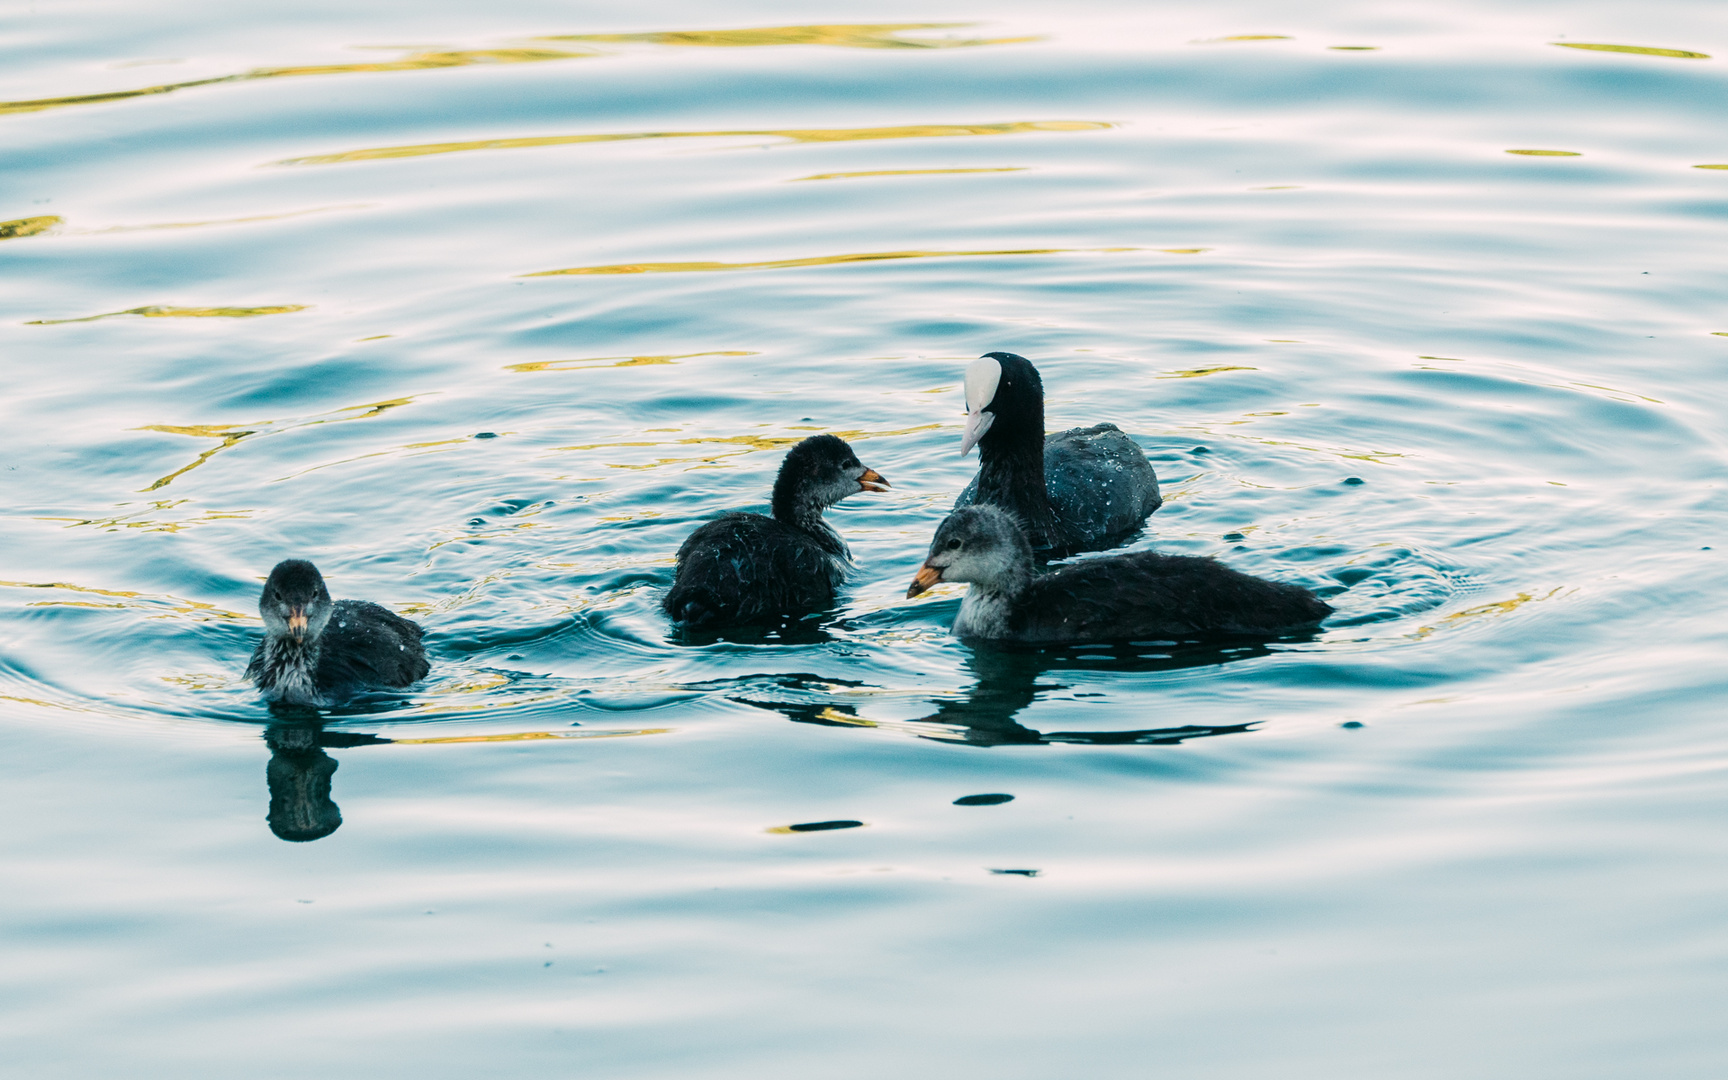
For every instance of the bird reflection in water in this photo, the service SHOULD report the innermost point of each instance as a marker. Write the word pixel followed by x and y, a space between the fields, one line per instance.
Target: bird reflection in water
pixel 1006 681
pixel 298 776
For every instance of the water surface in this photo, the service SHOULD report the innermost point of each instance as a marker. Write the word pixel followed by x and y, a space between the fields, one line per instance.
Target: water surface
pixel 484 311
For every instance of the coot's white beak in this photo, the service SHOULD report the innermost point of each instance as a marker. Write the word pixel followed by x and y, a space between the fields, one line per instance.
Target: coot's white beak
pixel 977 423
pixel 983 376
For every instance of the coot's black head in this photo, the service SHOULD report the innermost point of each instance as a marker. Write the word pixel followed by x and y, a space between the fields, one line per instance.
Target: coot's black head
pixel 982 544
pixel 819 472
pixel 1004 402
pixel 295 603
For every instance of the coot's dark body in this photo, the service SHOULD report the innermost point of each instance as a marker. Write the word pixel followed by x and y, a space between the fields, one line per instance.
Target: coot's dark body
pixel 742 569
pixel 1077 490
pixel 1138 595
pixel 319 652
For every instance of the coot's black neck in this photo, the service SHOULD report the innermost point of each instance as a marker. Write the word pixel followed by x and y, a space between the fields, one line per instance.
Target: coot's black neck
pixel 797 507
pixel 802 509
pixel 1011 475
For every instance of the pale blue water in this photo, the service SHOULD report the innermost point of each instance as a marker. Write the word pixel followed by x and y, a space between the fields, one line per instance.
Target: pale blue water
pixel 293 300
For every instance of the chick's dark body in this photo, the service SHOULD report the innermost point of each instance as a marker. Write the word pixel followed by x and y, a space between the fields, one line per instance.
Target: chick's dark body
pixel 1151 595
pixel 747 568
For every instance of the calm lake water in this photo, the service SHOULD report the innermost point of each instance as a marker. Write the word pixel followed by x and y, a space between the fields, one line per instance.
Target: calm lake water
pixel 484 308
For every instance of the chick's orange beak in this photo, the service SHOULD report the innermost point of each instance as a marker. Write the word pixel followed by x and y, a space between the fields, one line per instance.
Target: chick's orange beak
pixel 872 481
pixel 297 622
pixel 926 577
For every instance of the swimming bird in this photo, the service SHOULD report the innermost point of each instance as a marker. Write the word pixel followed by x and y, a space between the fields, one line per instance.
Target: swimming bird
pixel 319 652
pixel 1138 595
pixel 1077 490
pixel 747 568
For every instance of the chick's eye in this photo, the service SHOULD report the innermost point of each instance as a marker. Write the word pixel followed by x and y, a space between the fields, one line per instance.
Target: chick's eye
pixel 954 544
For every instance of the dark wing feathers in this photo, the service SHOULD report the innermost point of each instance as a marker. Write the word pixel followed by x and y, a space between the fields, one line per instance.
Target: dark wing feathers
pixel 365 645
pixel 1101 485
pixel 747 568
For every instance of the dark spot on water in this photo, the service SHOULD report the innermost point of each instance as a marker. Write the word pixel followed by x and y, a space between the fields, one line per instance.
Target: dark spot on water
pixel 1351 575
pixel 1234 536
pixel 485 434
pixel 1353 480
pixel 1351 724
pixel 514 656
pixel 983 800
pixel 824 826
pixel 476 521
pixel 1199 450
pixel 1016 873
pixel 547 964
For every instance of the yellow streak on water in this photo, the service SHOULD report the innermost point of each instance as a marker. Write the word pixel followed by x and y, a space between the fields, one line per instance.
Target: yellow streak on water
pixel 591 362
pixel 1195 373
pixel 844 35
pixel 757 442
pixel 157 311
pixel 1243 37
pixel 133 520
pixel 222 221
pixel 415 62
pixel 826 260
pixel 863 36
pixel 796 135
pixel 231 434
pixel 1710 166
pixel 1546 153
pixel 905 172
pixel 181 607
pixel 1642 50
pixel 527 736
pixel 1494 608
pixel 29 226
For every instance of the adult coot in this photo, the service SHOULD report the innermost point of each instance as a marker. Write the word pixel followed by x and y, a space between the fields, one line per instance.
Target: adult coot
pixel 1139 595
pixel 1078 490
pixel 746 568
pixel 318 652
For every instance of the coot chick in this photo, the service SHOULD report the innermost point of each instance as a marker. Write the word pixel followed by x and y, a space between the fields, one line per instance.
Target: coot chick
pixel 746 568
pixel 1078 490
pixel 318 652
pixel 1138 595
